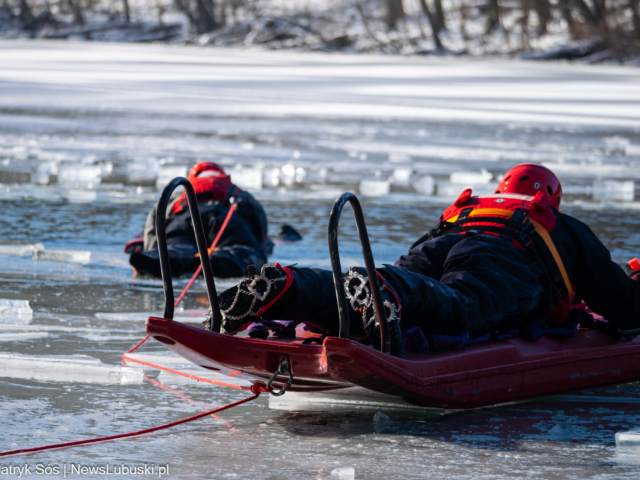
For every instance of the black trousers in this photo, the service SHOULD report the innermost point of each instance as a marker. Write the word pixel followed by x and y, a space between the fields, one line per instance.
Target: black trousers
pixel 477 284
pixel 226 262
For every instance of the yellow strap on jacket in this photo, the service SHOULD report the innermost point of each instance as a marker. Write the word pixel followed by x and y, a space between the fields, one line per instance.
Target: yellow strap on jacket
pixel 540 230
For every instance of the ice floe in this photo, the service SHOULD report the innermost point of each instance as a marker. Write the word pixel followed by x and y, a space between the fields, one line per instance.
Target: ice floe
pixel 19 337
pixel 20 249
pixel 72 256
pixel 15 311
pixel 613 190
pixel 78 175
pixel 166 173
pixel 66 368
pixel 343 472
pixel 195 315
pixel 374 188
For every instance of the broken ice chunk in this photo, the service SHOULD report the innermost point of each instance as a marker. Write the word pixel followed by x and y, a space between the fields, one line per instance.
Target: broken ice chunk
pixel 15 311
pixel 374 188
pixel 381 422
pixel 447 189
pixel 471 178
pixel 66 368
pixel 19 337
pixel 271 177
pixel 248 178
pixel 44 172
pixel 166 173
pixel 632 150
pixel 20 249
pixel 628 439
pixel 81 196
pixel 613 190
pixel 562 431
pixel 142 172
pixel 343 472
pixel 288 174
pixel 425 185
pixel 71 256
pixel 402 175
pixel 78 175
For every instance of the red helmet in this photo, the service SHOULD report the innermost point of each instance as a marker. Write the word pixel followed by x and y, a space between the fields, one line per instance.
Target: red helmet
pixel 529 179
pixel 199 168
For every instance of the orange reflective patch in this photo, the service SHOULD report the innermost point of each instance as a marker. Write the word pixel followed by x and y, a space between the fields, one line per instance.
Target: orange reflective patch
pixel 500 212
pixel 634 264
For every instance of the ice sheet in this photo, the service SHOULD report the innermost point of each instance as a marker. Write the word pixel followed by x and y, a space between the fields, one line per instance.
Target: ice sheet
pixel 612 190
pixel 374 188
pixel 196 315
pixel 19 337
pixel 168 172
pixel 627 439
pixel 20 249
pixel 72 256
pixel 66 369
pixel 425 185
pixel 251 178
pixel 15 311
pixel 78 175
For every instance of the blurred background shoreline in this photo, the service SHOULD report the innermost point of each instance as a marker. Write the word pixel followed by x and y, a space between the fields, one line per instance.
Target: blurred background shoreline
pixel 589 31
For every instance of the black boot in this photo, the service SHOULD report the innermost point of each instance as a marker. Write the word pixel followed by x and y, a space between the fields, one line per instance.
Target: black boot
pixel 358 291
pixel 249 300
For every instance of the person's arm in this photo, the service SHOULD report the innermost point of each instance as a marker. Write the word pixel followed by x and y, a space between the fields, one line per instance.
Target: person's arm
pixel 600 282
pixel 150 239
pixel 427 258
pixel 150 230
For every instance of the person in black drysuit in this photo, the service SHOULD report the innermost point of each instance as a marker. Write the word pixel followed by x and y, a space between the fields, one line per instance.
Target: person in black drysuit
pixel 474 284
pixel 244 241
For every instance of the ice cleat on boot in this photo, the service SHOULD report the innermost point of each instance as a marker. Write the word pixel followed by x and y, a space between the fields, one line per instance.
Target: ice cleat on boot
pixel 356 287
pixel 358 291
pixel 249 300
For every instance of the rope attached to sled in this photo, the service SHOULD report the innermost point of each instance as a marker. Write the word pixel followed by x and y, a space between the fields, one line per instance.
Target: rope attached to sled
pixel 256 389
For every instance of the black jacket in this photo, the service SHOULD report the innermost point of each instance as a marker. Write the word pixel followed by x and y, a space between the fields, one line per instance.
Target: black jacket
pixel 248 226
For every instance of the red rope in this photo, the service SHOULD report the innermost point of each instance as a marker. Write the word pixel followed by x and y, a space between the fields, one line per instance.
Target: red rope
pixel 233 208
pixel 257 390
pixel 192 377
pixel 177 393
pixel 213 245
pixel 193 278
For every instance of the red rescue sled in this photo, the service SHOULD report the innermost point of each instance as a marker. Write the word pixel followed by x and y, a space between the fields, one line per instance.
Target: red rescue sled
pixel 485 374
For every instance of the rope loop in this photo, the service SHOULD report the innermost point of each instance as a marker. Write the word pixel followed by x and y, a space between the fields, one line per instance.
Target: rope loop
pixel 258 388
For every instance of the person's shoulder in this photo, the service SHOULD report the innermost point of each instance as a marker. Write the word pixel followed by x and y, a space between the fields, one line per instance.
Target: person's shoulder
pixel 569 222
pixel 245 196
pixel 566 218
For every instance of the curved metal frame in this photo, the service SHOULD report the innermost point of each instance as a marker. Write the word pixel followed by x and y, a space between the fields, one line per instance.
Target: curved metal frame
pixel 336 268
pixel 165 267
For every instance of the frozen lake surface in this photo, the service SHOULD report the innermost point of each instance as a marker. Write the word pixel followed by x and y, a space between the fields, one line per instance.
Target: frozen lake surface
pixel 87 134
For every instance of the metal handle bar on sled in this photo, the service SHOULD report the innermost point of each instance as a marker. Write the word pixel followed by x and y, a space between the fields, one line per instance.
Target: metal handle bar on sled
pixel 336 268
pixel 165 267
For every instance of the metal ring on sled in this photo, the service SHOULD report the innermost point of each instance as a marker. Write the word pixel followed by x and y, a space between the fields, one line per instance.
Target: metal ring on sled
pixel 336 268
pixel 165 267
